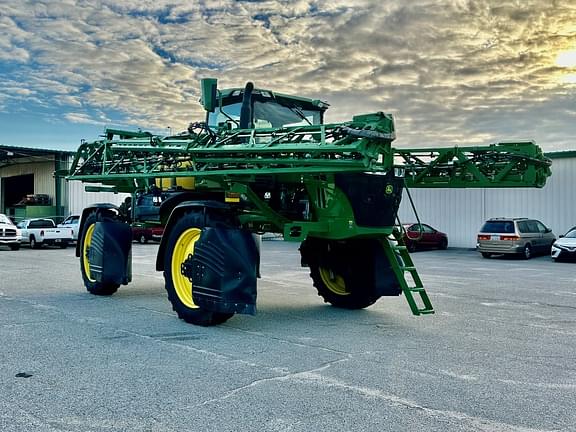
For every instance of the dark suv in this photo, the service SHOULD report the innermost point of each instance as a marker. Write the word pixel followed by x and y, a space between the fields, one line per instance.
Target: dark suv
pixel 514 236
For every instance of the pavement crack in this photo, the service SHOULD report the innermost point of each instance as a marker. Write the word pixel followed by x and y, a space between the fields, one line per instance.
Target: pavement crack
pixel 257 382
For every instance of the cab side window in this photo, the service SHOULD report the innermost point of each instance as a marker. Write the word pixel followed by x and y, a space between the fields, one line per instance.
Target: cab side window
pixel 532 227
pixel 541 227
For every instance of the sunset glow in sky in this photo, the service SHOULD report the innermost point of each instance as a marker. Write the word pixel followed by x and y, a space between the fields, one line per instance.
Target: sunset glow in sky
pixel 451 72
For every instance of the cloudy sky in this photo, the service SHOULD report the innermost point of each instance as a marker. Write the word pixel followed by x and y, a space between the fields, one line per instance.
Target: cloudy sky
pixel 452 72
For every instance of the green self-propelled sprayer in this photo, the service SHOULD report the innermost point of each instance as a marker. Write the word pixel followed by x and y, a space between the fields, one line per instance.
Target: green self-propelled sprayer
pixel 265 162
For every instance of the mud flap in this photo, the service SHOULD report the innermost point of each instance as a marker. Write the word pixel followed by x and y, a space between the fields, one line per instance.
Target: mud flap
pixel 110 253
pixel 223 269
pixel 361 262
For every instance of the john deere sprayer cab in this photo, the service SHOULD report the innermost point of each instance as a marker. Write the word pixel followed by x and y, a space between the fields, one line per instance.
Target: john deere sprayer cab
pixel 266 162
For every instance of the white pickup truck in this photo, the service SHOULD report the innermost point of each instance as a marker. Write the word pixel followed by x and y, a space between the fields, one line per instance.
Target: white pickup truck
pixel 38 232
pixel 9 234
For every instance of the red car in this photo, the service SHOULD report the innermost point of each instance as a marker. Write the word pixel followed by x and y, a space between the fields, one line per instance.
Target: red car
pixel 144 234
pixel 423 236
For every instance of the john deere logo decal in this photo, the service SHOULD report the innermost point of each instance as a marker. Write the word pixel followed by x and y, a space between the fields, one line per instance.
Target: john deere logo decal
pixel 389 189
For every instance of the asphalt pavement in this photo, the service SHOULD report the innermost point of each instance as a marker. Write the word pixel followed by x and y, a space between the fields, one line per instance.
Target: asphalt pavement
pixel 498 355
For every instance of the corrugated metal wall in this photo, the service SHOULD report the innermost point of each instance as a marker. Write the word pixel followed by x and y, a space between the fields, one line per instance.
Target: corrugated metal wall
pixel 78 198
pixel 461 212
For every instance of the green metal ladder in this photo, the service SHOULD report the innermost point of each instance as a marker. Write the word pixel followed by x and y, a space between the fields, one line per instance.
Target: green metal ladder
pixel 402 263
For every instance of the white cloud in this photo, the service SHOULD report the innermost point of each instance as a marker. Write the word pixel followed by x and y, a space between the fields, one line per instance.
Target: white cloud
pixel 452 72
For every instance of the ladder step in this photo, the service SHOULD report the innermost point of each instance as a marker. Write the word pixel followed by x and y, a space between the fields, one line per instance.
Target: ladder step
pixel 426 311
pixel 399 248
pixel 416 289
pixel 408 269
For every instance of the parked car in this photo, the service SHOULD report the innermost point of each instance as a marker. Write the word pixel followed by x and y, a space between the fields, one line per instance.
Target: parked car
pixel 417 236
pixel 9 235
pixel 565 246
pixel 38 232
pixel 521 236
pixel 72 222
pixel 143 233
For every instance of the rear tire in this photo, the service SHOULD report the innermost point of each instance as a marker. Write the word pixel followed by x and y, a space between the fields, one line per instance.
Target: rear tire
pixel 183 236
pixel 443 244
pixel 342 280
pixel 85 239
pixel 527 252
pixel 486 254
pixel 63 245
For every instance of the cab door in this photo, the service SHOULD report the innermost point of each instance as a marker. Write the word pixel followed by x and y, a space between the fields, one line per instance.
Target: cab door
pixel 546 236
pixel 535 235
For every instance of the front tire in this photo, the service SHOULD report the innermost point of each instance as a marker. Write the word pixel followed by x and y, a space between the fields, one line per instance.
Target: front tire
pixel 182 238
pixel 486 254
pixel 34 244
pixel 341 276
pixel 14 247
pixel 93 286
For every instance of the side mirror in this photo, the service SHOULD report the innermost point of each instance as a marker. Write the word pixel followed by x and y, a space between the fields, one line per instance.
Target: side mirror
pixel 208 99
pixel 548 230
pixel 561 236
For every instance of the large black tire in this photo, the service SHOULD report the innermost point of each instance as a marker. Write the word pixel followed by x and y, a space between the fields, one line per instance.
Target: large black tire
pixel 15 246
pixel 443 244
pixel 486 254
pixel 85 238
pixel 342 275
pixel 64 245
pixel 182 237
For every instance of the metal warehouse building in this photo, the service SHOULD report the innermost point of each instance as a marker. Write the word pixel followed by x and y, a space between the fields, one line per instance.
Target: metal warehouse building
pixel 458 212
pixel 461 212
pixel 28 187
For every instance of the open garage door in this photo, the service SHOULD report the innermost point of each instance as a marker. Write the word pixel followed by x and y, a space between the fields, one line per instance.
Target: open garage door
pixel 15 188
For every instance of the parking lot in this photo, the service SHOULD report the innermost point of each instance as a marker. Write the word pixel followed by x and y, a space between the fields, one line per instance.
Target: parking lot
pixel 498 355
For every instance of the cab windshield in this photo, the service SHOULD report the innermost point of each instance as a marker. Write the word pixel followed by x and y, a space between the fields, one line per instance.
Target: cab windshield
pixel 267 113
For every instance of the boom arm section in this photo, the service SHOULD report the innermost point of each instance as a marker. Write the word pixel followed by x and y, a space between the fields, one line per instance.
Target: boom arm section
pixel 130 160
pixel 519 164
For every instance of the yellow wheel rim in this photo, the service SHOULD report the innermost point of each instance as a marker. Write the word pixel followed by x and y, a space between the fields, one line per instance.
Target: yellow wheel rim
pixel 184 246
pixel 86 246
pixel 334 282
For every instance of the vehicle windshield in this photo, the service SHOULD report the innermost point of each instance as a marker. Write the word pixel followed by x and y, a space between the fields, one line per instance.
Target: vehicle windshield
pixel 267 113
pixel 5 219
pixel 498 227
pixel 571 234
